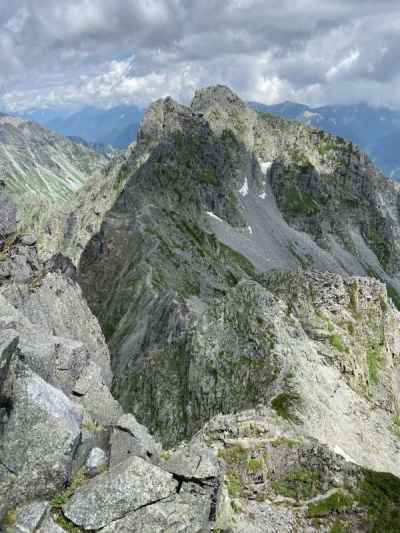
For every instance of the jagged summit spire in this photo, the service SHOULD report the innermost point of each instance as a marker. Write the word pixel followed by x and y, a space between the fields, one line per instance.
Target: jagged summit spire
pixel 218 104
pixel 217 94
pixel 162 117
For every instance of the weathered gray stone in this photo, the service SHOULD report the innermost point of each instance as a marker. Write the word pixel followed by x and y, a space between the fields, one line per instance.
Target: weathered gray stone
pixel 8 346
pixel 194 461
pixel 49 526
pixel 60 361
pixel 95 396
pixel 57 360
pixel 30 516
pixel 267 518
pixel 125 488
pixel 186 512
pixel 39 439
pixel 131 438
pixel 57 306
pixel 21 263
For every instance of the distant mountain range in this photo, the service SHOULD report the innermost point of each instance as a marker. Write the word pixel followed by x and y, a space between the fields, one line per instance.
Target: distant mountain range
pixel 375 130
pixel 116 126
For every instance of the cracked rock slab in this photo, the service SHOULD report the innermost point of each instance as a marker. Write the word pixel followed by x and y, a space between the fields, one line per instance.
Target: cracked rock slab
pixel 30 516
pixel 194 461
pixel 186 512
pixel 49 526
pixel 131 485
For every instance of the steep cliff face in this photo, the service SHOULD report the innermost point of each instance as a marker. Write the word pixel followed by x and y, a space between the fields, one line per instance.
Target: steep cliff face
pixel 322 185
pixel 195 330
pixel 70 460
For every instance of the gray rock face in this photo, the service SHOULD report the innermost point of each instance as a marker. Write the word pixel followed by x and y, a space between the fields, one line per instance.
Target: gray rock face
pixel 194 461
pixel 57 306
pixel 131 438
pixel 49 341
pixel 18 264
pixel 94 395
pixel 38 440
pixel 112 495
pixel 49 526
pixel 186 512
pixel 29 239
pixel 8 347
pixel 29 517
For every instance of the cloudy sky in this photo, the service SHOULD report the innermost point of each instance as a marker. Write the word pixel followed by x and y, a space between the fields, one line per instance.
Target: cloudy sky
pixel 104 52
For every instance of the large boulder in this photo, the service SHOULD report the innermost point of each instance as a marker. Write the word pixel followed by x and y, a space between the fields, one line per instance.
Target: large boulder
pixel 29 517
pixel 186 512
pixel 195 461
pixel 127 487
pixel 39 438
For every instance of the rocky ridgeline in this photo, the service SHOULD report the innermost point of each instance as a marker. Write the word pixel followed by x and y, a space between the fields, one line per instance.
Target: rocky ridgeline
pixel 64 440
pixel 225 258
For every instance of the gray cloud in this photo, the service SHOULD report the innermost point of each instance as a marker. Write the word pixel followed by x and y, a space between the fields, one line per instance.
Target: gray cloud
pixel 73 52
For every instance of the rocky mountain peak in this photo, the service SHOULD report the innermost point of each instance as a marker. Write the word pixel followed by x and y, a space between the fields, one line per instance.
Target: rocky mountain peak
pixel 223 110
pixel 162 118
pixel 227 290
pixel 216 95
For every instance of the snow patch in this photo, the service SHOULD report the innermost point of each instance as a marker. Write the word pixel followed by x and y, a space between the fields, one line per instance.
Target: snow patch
pixel 244 190
pixel 265 166
pixel 213 215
